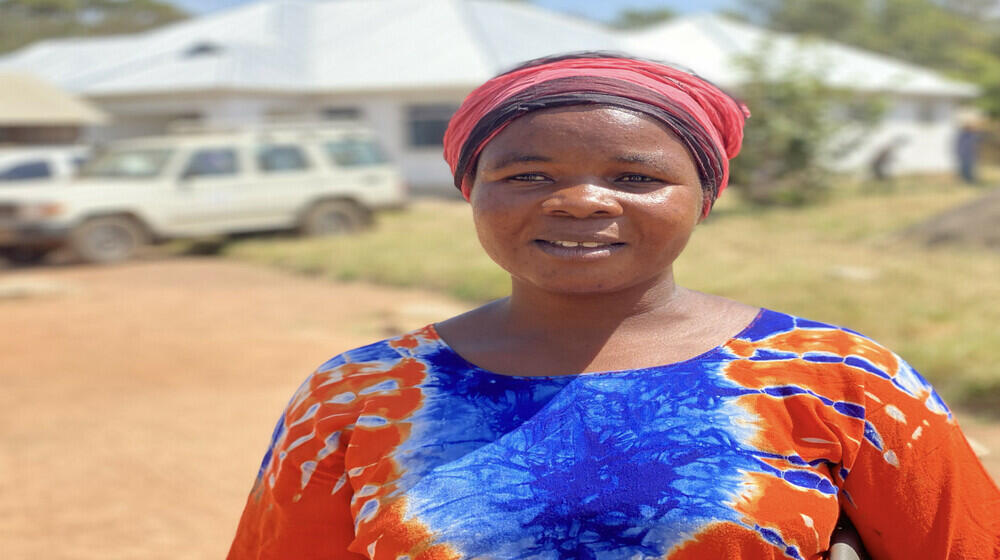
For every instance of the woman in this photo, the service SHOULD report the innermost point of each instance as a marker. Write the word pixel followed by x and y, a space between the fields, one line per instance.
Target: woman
pixel 601 411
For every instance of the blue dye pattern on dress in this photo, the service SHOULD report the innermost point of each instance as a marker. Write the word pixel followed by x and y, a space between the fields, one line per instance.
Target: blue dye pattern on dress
pixel 520 455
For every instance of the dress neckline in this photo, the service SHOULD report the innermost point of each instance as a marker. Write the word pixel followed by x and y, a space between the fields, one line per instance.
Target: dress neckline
pixel 712 352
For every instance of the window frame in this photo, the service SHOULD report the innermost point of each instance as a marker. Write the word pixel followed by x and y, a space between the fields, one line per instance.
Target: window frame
pixel 426 124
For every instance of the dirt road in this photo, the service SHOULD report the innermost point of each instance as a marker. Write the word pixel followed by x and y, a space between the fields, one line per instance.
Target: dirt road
pixel 137 399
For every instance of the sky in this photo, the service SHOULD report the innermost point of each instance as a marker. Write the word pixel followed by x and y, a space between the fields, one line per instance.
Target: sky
pixel 595 9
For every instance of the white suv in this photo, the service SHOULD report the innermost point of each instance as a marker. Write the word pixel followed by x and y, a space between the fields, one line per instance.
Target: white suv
pixel 317 180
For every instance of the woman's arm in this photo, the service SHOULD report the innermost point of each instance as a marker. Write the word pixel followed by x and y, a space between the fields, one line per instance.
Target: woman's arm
pixel 299 506
pixel 914 488
pixel 845 544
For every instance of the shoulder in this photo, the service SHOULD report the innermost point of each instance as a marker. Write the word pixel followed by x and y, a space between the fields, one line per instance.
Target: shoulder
pixel 386 353
pixel 391 364
pixel 812 340
pixel 833 350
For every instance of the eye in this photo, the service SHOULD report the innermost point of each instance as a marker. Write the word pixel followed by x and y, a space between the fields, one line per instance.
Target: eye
pixel 527 178
pixel 636 178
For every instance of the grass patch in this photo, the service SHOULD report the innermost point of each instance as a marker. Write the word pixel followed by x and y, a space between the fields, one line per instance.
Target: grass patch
pixel 841 261
pixel 431 245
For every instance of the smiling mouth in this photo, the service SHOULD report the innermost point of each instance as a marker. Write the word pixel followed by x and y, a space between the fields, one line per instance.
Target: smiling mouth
pixel 586 244
pixel 578 249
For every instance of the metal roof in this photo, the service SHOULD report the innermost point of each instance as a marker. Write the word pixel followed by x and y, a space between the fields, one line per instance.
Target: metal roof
pixel 385 45
pixel 359 45
pixel 27 101
pixel 713 45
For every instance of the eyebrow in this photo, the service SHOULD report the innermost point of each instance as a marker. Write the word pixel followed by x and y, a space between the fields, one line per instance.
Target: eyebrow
pixel 512 158
pixel 654 161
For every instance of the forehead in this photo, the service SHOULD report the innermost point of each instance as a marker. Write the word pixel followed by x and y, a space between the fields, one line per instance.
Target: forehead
pixel 585 128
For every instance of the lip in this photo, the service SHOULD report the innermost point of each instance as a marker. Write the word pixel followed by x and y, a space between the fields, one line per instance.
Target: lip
pixel 579 252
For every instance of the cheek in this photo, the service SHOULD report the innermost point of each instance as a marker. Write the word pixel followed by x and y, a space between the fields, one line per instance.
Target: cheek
pixel 670 209
pixel 497 219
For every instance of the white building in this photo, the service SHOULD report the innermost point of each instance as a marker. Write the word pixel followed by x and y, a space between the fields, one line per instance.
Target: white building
pixel 921 106
pixel 35 112
pixel 405 65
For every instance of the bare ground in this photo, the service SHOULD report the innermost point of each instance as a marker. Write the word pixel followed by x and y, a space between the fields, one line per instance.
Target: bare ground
pixel 976 223
pixel 138 399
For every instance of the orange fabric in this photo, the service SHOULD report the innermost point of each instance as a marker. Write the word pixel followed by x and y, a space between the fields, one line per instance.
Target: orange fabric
pixel 381 455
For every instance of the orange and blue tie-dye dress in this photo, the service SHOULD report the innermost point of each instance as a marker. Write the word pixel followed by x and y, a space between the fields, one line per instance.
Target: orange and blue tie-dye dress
pixel 402 450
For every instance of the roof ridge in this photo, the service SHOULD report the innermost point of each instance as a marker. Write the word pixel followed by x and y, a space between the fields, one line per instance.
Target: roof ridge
pixel 710 23
pixel 486 53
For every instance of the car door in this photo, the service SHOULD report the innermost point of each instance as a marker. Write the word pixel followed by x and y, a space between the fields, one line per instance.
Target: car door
pixel 287 176
pixel 211 192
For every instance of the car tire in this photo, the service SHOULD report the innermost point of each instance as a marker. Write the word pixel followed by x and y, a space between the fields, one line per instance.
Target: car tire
pixel 334 217
pixel 25 255
pixel 107 240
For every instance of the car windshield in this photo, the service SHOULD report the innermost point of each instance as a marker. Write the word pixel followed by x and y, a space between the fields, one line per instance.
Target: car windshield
pixel 129 163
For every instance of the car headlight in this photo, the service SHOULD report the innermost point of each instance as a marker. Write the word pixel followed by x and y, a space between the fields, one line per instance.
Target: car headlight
pixel 39 210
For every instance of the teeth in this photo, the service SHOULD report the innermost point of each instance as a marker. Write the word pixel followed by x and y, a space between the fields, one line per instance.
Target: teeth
pixel 588 244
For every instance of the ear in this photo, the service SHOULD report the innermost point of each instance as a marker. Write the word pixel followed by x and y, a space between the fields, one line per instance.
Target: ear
pixel 706 206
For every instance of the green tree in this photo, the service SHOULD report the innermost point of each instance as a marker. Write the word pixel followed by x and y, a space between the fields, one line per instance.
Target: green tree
pixel 634 18
pixel 792 132
pixel 835 19
pixel 23 22
pixel 955 37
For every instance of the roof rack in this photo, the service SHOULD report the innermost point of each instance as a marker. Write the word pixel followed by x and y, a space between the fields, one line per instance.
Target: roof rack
pixel 194 126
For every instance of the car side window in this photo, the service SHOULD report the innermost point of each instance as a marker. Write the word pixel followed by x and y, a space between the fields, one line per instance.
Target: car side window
pixel 354 152
pixel 281 158
pixel 212 162
pixel 35 169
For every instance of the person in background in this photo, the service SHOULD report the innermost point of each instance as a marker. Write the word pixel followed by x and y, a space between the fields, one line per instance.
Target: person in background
pixel 882 163
pixel 967 150
pixel 602 411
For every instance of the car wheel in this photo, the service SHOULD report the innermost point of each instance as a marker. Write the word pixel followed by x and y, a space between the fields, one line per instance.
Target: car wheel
pixel 24 255
pixel 334 217
pixel 107 240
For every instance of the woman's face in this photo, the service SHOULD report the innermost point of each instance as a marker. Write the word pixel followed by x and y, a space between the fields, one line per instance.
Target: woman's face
pixel 585 199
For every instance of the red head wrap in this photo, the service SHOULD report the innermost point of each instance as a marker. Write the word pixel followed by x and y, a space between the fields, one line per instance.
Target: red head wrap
pixel 706 119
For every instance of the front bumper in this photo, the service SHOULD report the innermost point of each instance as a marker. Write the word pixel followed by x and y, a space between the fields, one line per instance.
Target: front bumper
pixel 32 234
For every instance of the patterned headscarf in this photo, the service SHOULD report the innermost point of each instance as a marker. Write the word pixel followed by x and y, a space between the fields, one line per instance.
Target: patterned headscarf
pixel 707 120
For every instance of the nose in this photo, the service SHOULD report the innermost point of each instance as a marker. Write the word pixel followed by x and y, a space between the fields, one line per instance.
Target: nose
pixel 583 199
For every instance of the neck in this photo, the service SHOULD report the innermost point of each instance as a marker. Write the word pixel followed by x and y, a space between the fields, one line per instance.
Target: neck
pixel 537 313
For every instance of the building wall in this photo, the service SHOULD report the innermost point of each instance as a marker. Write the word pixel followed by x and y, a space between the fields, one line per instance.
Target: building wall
pixel 919 131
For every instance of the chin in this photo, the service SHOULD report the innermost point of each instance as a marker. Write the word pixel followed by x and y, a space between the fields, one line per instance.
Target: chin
pixel 574 287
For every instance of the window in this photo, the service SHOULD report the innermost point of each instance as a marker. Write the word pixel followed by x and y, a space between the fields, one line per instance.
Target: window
pixel 37 169
pixel 354 152
pixel 277 158
pixel 427 124
pixel 128 163
pixel 926 112
pixel 212 162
